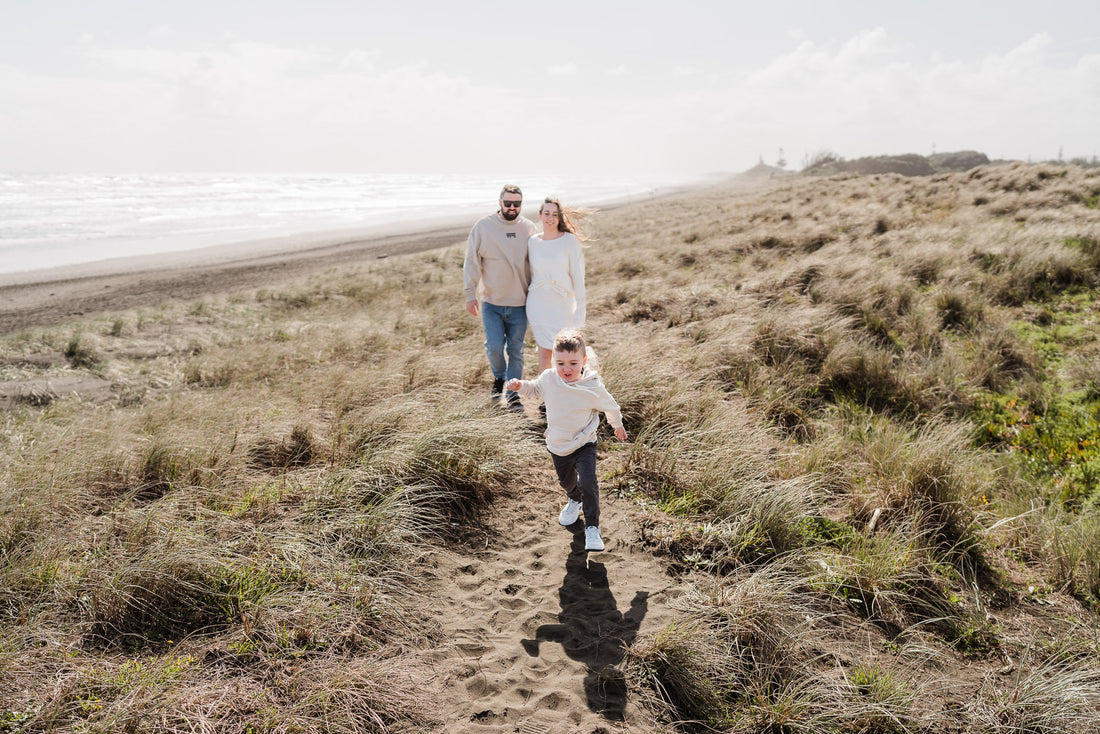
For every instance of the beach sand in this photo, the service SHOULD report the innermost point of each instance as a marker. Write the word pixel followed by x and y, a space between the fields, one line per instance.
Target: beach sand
pixel 50 296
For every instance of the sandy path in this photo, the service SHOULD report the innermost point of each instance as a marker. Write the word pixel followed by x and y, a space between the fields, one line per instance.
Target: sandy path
pixel 537 625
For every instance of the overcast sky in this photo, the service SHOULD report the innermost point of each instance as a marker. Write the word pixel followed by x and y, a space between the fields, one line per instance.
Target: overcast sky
pixel 600 86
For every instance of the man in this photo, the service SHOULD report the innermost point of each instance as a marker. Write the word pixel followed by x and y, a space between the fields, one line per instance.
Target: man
pixel 496 261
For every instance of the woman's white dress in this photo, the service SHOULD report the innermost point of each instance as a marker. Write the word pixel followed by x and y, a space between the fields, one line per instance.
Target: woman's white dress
pixel 555 298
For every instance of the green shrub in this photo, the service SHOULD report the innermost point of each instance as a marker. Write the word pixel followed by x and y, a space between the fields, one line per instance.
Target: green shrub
pixel 1057 439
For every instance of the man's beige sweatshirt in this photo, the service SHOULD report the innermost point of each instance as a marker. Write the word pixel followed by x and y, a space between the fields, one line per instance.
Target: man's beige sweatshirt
pixel 496 258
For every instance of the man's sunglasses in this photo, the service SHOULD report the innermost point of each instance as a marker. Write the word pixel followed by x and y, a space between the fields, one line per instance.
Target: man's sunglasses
pixel 512 204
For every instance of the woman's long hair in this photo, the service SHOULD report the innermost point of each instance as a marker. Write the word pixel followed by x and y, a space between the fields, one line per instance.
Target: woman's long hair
pixel 570 219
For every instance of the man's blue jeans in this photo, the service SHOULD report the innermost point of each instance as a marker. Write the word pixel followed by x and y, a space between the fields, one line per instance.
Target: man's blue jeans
pixel 505 330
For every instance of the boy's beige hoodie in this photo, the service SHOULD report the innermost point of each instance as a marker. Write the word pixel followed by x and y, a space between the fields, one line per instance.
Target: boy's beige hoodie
pixel 572 408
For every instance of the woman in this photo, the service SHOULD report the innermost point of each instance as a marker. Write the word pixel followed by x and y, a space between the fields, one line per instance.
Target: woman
pixel 555 298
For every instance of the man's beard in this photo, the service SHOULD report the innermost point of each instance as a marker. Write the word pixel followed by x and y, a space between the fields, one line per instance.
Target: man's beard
pixel 509 215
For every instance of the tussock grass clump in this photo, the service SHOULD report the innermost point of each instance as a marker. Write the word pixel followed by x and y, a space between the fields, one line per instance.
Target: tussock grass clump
pixel 882 701
pixel 780 342
pixel 1002 358
pixel 149 473
pixel 369 434
pixel 469 459
pixel 1056 697
pixel 704 458
pixel 1075 546
pixel 959 309
pixel 1087 245
pixel 210 375
pixel 931 474
pixel 1039 271
pixel 740 637
pixel 20 524
pixel 175 693
pixel 893 579
pixel 746 659
pixel 154 594
pixel 925 269
pixel 84 350
pixel 297 449
pixel 651 400
pixel 682 672
pixel 867 375
pixel 370 517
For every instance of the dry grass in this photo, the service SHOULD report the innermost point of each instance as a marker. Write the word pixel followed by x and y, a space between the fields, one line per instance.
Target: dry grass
pixel 228 542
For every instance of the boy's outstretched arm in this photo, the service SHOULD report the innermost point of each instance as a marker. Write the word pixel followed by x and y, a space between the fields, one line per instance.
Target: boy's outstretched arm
pixel 612 413
pixel 527 388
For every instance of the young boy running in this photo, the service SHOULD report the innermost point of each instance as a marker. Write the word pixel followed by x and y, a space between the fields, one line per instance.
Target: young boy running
pixel 574 396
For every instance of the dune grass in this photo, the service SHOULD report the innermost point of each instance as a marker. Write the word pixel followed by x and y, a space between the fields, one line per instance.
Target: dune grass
pixel 864 432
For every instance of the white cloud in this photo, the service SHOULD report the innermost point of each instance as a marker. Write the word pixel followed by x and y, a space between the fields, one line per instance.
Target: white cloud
pixel 568 69
pixel 682 71
pixel 252 106
pixel 870 96
pixel 247 105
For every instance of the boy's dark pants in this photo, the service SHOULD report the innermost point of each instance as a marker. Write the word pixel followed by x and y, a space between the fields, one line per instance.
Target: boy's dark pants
pixel 577 476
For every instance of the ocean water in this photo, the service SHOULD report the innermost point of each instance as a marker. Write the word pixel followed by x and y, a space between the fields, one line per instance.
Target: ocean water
pixel 61 219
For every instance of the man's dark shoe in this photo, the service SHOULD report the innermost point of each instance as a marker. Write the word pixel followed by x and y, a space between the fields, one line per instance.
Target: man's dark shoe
pixel 498 388
pixel 514 403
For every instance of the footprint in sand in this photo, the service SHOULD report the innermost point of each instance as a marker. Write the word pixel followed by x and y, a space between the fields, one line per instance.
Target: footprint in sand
pixel 540 617
pixel 513 604
pixel 553 702
pixel 471 642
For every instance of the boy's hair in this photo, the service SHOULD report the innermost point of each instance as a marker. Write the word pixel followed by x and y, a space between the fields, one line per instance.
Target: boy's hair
pixel 569 340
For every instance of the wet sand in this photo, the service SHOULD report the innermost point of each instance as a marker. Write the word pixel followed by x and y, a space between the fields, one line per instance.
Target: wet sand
pixel 51 296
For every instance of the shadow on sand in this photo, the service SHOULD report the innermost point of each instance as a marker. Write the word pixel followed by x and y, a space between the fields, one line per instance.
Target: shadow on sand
pixel 591 629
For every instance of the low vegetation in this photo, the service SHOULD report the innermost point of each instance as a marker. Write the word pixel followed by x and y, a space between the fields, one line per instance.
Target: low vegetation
pixel 865 419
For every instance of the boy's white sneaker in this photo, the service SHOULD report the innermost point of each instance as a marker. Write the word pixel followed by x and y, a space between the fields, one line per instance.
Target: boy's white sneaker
pixel 592 539
pixel 569 513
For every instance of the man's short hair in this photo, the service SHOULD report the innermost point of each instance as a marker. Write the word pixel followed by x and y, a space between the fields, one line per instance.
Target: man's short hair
pixel 511 189
pixel 569 340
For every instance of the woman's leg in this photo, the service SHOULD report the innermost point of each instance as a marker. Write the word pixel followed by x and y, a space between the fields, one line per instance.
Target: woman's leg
pixel 546 359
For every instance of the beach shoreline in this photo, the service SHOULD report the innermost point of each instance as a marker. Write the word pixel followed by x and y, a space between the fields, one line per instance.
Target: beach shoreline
pixel 38 298
pixel 46 297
